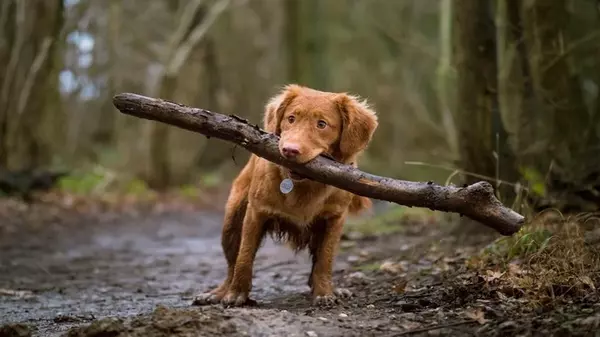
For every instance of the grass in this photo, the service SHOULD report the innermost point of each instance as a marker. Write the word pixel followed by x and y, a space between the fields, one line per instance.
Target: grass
pixel 548 261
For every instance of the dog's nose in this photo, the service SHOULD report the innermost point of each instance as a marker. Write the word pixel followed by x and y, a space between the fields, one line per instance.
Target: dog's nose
pixel 290 150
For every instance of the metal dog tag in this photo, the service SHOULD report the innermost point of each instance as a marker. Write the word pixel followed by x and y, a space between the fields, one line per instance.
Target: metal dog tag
pixel 286 186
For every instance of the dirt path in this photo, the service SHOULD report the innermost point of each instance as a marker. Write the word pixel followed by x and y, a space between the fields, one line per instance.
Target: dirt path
pixel 123 268
pixel 127 267
pixel 136 277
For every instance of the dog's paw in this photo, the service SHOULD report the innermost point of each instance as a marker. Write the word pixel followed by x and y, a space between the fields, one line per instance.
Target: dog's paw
pixel 237 299
pixel 206 299
pixel 325 300
pixel 333 298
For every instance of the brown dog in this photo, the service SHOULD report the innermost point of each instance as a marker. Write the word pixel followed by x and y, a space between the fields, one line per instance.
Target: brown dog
pixel 309 123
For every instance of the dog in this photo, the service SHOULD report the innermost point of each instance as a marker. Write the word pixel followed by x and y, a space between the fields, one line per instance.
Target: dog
pixel 309 123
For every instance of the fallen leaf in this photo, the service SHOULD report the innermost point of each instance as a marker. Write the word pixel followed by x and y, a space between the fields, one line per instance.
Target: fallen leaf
pixel 492 275
pixel 501 296
pixel 400 286
pixel 390 267
pixel 476 315
pixel 514 269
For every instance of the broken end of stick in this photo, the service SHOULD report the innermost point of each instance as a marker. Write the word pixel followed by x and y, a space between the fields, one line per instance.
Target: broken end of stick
pixel 124 100
pixel 488 210
pixel 513 224
pixel 121 97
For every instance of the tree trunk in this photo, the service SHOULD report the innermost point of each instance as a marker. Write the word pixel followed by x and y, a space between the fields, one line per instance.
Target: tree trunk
pixel 194 25
pixel 307 43
pixel 293 39
pixel 477 112
pixel 515 90
pixel 481 135
pixel 568 159
pixel 556 88
pixel 443 74
pixel 7 41
pixel 28 93
pixel 104 132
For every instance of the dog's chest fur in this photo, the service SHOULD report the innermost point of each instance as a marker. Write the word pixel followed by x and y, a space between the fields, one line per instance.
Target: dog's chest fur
pixel 305 202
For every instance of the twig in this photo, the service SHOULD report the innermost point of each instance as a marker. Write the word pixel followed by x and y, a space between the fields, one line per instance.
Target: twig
pixel 435 327
pixel 476 201
pixel 574 45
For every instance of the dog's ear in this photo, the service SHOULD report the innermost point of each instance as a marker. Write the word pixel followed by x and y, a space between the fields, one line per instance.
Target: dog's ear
pixel 276 107
pixel 359 122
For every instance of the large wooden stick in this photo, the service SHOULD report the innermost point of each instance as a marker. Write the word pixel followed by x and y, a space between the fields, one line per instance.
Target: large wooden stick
pixel 476 201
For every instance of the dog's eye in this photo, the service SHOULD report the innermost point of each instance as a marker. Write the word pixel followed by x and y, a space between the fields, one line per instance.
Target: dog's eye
pixel 291 119
pixel 321 124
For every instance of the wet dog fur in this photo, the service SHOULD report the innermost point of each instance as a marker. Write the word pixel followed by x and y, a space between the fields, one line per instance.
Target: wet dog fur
pixel 309 123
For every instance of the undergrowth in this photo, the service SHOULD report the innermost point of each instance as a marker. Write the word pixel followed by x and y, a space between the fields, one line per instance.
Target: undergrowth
pixel 104 183
pixel 552 258
pixel 99 188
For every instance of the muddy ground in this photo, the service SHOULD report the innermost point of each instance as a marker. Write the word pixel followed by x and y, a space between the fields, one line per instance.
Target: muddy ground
pixel 124 275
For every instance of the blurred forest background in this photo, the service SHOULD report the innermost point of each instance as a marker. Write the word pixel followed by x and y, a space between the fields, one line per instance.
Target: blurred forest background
pixel 503 90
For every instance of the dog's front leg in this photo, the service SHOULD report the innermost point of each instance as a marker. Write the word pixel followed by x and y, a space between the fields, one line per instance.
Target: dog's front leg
pixel 252 235
pixel 324 252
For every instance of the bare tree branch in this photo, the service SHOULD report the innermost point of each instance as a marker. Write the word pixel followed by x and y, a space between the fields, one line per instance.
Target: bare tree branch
pixel 476 201
pixel 185 24
pixel 196 36
pixel 20 32
pixel 37 64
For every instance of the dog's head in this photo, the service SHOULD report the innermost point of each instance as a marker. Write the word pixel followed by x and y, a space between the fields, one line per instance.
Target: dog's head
pixel 311 122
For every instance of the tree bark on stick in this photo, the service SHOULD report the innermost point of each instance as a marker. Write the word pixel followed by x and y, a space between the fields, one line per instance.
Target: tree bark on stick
pixel 476 201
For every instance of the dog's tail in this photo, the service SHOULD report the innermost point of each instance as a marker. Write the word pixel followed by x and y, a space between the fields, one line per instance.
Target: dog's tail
pixel 359 204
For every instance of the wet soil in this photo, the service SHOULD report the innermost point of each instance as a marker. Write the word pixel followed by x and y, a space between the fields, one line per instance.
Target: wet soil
pixel 136 276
